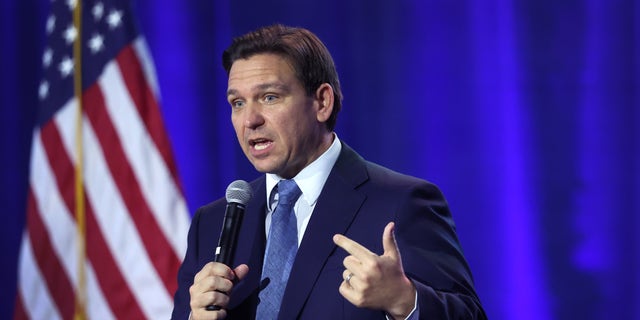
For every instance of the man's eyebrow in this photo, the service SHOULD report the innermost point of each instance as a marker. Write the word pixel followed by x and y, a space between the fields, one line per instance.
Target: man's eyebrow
pixel 262 87
pixel 232 92
pixel 272 85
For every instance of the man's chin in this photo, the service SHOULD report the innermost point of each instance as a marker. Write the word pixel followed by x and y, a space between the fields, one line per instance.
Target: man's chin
pixel 264 168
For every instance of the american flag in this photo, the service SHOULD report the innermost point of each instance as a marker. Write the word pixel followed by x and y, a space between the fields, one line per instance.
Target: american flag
pixel 106 217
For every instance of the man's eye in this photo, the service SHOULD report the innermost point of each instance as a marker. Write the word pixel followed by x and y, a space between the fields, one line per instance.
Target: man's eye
pixel 236 104
pixel 270 98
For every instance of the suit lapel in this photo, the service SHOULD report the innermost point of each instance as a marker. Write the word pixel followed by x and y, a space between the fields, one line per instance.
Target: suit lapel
pixel 336 208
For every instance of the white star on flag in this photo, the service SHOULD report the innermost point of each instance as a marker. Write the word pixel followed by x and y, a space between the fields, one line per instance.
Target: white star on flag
pixel 51 24
pixel 70 34
pixel 96 43
pixel 47 57
pixel 43 91
pixel 72 4
pixel 66 67
pixel 97 11
pixel 114 19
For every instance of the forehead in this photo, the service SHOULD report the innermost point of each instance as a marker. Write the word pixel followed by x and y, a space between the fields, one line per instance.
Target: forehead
pixel 258 69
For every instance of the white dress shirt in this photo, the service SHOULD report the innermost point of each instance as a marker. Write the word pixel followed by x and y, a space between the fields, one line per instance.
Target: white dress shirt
pixel 310 180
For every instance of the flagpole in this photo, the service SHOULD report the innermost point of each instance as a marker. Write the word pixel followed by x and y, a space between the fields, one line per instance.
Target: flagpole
pixel 80 299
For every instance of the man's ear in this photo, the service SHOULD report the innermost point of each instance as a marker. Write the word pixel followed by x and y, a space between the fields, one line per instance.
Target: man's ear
pixel 324 99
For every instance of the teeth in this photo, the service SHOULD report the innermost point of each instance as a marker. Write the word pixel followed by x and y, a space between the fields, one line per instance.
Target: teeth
pixel 261 146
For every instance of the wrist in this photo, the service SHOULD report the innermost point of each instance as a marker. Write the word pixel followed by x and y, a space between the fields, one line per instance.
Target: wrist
pixel 406 302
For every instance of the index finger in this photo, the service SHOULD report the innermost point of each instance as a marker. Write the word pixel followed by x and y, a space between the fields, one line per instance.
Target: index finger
pixel 353 248
pixel 214 269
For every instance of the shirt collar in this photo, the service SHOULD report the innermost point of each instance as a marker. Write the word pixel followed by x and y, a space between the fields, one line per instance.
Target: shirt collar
pixel 312 178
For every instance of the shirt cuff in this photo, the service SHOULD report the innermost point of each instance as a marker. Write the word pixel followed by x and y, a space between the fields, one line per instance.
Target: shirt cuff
pixel 415 312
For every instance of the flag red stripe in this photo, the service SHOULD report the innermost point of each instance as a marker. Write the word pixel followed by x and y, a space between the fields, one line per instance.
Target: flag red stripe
pixel 19 312
pixel 158 248
pixel 97 250
pixel 147 106
pixel 60 164
pixel 60 287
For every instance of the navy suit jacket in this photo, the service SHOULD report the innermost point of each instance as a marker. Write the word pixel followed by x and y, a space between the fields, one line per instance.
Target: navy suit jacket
pixel 359 198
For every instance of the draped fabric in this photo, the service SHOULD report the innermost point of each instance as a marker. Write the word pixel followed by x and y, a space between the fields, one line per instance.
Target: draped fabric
pixel 525 113
pixel 106 217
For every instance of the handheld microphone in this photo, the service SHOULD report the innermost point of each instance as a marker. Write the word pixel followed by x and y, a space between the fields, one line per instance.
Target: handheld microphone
pixel 238 195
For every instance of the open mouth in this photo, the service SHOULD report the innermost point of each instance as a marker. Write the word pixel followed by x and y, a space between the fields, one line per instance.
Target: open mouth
pixel 260 144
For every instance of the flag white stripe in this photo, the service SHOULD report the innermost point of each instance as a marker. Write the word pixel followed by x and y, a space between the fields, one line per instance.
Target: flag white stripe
pixel 141 50
pixel 156 182
pixel 120 232
pixel 31 285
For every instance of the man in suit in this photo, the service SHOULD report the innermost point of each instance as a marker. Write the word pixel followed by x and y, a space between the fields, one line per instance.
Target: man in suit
pixel 352 219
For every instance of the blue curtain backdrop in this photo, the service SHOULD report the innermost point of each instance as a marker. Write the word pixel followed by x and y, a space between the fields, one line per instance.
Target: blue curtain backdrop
pixel 525 113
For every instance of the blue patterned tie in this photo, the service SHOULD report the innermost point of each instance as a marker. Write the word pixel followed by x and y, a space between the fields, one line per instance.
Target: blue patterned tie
pixel 282 246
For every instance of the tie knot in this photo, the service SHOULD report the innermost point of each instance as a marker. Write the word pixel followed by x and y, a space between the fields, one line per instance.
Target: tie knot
pixel 288 191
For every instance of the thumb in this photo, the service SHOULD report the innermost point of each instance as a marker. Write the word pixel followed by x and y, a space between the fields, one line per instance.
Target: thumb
pixel 241 271
pixel 389 243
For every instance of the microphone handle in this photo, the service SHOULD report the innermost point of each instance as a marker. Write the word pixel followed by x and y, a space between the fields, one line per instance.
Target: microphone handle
pixel 228 237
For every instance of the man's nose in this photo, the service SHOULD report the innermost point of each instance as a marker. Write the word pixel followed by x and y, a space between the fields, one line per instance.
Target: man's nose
pixel 253 116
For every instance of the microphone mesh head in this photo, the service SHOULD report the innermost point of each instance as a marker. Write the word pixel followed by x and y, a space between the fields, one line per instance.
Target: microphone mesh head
pixel 239 191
